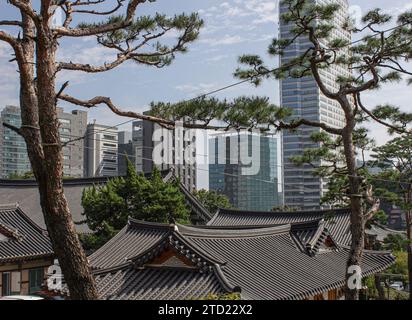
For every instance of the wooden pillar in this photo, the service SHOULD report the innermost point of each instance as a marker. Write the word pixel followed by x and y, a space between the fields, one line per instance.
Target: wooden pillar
pixel 25 282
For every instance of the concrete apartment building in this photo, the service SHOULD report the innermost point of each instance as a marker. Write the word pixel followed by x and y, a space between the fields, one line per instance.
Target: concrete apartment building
pixel 72 126
pixel 171 148
pixel 13 151
pixel 301 188
pixel 101 151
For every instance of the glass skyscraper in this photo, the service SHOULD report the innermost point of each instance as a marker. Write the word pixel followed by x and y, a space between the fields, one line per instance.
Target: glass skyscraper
pixel 301 189
pixel 13 155
pixel 251 184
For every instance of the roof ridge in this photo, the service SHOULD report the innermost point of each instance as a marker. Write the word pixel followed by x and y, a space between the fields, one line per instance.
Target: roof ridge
pixel 15 207
pixel 148 224
pixel 323 211
pixel 66 182
pixel 10 231
pixel 317 237
pixel 378 252
pixel 9 206
pixel 196 201
pixel 224 232
pixel 388 229
pixel 112 269
pixel 31 222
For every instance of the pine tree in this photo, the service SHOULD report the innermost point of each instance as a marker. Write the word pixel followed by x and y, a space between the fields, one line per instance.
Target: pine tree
pixel 377 58
pixel 212 200
pixel 108 207
pixel 35 42
pixel 394 183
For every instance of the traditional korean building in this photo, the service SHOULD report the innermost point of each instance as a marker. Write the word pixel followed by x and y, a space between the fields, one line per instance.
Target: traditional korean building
pixel 337 221
pixel 25 253
pixel 276 262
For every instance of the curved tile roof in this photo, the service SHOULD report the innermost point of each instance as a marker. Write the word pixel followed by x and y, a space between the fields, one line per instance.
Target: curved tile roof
pixel 337 221
pixel 131 241
pixel 24 239
pixel 157 284
pixel 270 262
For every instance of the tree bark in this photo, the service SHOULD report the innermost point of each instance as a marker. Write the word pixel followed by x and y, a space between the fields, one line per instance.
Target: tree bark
pixel 60 226
pixel 357 226
pixel 378 285
pixel 40 129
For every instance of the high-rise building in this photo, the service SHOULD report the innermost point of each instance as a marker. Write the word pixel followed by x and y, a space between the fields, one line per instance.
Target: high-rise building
pixel 125 151
pixel 304 98
pixel 138 143
pixel 13 156
pixel 101 151
pixel 154 145
pixel 247 169
pixel 73 125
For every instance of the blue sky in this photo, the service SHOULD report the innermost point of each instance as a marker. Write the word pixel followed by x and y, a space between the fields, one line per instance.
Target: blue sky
pixel 232 27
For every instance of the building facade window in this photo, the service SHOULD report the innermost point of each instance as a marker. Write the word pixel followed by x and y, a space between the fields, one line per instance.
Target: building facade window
pixel 11 283
pixel 36 277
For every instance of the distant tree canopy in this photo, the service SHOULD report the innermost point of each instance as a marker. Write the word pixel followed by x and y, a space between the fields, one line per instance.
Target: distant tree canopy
pixel 284 209
pixel 28 176
pixel 400 267
pixel 24 176
pixel 212 200
pixel 108 207
pixel 395 242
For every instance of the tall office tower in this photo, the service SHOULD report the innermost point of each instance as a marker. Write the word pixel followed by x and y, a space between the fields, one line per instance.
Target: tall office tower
pixel 124 151
pixel 163 148
pixel 101 151
pixel 13 156
pixel 247 169
pixel 72 126
pixel 303 96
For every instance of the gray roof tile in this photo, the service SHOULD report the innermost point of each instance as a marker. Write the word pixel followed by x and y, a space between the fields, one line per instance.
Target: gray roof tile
pixel 261 263
pixel 337 221
pixel 24 239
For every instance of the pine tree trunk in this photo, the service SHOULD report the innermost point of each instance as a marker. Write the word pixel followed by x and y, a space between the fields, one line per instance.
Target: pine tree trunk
pixel 378 285
pixel 40 129
pixel 409 248
pixel 357 226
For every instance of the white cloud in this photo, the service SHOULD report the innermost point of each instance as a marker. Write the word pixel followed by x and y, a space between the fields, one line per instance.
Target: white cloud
pixel 86 55
pixel 225 40
pixel 198 88
pixel 239 15
pixel 95 55
pixel 406 7
pixel 217 58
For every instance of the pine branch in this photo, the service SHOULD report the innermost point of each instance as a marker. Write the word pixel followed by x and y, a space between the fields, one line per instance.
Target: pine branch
pixel 359 103
pixel 11 23
pixel 102 28
pixel 169 124
pixel 13 128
